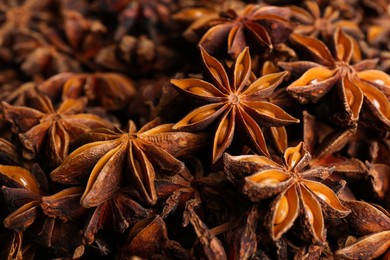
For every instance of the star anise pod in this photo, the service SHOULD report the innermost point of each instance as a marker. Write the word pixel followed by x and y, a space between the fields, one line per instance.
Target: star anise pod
pixel 9 82
pixel 120 212
pixel 26 15
pixel 139 15
pixel 259 27
pixel 25 193
pixel 112 91
pixel 37 55
pixel 29 205
pixel 9 153
pixel 373 246
pixel 29 35
pixel 137 55
pixel 312 21
pixel 152 229
pixel 42 129
pixel 85 36
pixel 298 190
pixel 49 219
pixel 198 13
pixel 352 85
pixel 378 28
pixel 232 98
pixel 372 227
pixel 15 246
pixel 109 159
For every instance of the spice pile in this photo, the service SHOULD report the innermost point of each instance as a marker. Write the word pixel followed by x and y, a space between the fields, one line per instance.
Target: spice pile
pixel 184 129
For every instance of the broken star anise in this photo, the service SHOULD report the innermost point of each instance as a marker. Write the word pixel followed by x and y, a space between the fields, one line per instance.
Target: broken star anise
pixel 352 85
pixel 232 98
pixel 109 159
pixel 298 190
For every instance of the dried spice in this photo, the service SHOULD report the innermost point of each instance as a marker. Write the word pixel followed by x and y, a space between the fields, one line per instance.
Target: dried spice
pixel 109 158
pixel 262 129
pixel 232 99
pixel 40 125
pixel 297 190
pixel 109 90
pixel 312 21
pixel 255 26
pixel 352 84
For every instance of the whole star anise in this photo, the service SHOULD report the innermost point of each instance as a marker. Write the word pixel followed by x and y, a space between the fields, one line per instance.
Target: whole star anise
pixel 137 56
pixel 232 98
pixel 312 21
pixel 38 214
pixel 109 159
pixel 43 129
pixel 85 36
pixel 297 188
pixel 352 85
pixel 109 90
pixel 138 15
pixel 37 55
pixel 369 236
pixel 259 27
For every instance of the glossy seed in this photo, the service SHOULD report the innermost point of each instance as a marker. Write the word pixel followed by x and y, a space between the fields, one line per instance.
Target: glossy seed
pixel 269 180
pixel 21 180
pixel 239 75
pixel 376 102
pixel 349 96
pixel 265 112
pixel 200 91
pixel 293 159
pixel 26 181
pixel 57 142
pixel 322 196
pixel 215 74
pixel 309 215
pixel 202 115
pixel 281 210
pixel 314 81
pixel 223 132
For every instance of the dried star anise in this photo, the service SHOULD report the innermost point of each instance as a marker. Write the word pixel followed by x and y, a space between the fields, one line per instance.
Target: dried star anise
pixel 121 212
pixel 297 188
pixel 372 226
pixel 259 27
pixel 37 56
pixel 351 85
pixel 44 129
pixel 367 247
pixel 264 129
pixel 85 36
pixel 139 15
pixel 109 90
pixel 233 99
pixel 108 159
pixel 312 21
pixel 138 55
pixel 25 15
pixel 43 216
